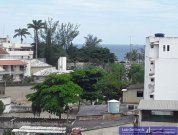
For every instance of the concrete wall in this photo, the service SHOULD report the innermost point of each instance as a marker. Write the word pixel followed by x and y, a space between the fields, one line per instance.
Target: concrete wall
pixel 130 96
pixel 103 131
pixel 164 69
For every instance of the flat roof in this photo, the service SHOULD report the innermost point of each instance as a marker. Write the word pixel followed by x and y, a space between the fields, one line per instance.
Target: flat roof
pixel 40 129
pixel 164 105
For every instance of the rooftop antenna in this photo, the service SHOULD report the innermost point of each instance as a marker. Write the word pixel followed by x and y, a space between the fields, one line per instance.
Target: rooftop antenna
pixel 130 49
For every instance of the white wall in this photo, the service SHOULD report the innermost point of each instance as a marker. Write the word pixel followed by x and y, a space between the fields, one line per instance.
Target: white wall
pixel 7 103
pixel 62 61
pixel 166 79
pixel 164 70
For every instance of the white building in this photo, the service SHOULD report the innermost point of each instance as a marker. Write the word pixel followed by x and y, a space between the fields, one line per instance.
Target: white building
pixel 13 68
pixel 16 50
pixel 161 68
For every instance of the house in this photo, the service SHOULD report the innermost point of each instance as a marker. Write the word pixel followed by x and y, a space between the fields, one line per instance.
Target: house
pixel 16 50
pixel 158 113
pixel 13 68
pixel 132 95
pixel 161 68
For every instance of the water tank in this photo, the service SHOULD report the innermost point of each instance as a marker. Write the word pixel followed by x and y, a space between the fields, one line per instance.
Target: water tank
pixel 159 35
pixel 113 106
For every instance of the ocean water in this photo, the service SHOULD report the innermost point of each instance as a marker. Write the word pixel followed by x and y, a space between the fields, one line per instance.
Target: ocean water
pixel 121 50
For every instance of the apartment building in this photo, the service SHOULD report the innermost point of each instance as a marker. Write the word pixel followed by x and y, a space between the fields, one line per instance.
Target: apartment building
pixel 16 50
pixel 13 68
pixel 161 68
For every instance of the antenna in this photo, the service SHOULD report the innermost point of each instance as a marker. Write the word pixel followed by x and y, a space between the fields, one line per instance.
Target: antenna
pixel 3 31
pixel 130 49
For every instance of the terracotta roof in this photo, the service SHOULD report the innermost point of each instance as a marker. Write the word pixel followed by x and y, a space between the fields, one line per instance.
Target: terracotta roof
pixel 12 62
pixel 2 51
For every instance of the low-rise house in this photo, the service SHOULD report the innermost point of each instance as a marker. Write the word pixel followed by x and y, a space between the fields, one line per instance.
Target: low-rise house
pixel 158 112
pixel 13 68
pixel 132 95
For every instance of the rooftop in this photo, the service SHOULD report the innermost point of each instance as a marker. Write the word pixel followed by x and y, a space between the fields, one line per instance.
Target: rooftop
pixel 136 86
pixel 12 62
pixel 169 105
pixel 38 63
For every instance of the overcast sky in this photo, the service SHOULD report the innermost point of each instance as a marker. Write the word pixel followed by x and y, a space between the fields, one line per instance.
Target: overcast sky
pixel 114 21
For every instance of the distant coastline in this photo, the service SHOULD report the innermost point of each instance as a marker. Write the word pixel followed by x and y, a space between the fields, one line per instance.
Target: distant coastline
pixel 119 49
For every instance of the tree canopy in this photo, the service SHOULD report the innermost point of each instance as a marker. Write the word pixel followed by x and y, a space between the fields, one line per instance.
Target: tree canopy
pixel 21 33
pixel 54 94
pixel 87 79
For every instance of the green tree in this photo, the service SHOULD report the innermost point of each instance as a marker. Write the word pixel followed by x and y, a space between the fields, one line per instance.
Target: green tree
pixel 136 74
pixel 97 56
pixel 113 82
pixel 1 107
pixel 86 79
pixel 92 41
pixel 36 25
pixel 21 33
pixel 135 56
pixel 8 132
pixel 66 33
pixel 54 94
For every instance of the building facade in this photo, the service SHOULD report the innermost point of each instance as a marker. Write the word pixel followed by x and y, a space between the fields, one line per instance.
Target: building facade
pixel 12 69
pixel 161 68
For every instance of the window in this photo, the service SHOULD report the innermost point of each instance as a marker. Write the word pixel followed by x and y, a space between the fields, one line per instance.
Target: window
pixel 139 93
pixel 152 79
pixel 152 46
pixel 151 96
pixel 164 48
pixel 162 113
pixel 168 47
pixel 130 107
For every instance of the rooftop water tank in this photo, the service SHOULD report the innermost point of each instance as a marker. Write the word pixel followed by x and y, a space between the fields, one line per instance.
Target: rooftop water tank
pixel 159 35
pixel 113 106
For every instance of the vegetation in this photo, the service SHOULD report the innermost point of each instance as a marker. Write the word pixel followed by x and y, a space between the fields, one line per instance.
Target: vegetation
pixel 135 56
pixel 112 82
pixel 36 25
pixel 1 107
pixel 87 79
pixel 21 33
pixel 54 94
pixel 8 132
pixel 136 74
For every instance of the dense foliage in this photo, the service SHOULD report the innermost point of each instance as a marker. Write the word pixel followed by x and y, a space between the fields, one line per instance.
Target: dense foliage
pixel 54 94
pixel 87 79
pixel 1 107
pixel 136 74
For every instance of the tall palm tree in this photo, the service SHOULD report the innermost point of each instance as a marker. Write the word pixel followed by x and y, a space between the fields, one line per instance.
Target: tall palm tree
pixel 91 41
pixel 36 25
pixel 21 33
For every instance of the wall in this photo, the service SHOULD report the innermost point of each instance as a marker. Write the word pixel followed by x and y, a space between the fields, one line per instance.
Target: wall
pixel 130 96
pixel 164 71
pixel 103 131
pixel 166 75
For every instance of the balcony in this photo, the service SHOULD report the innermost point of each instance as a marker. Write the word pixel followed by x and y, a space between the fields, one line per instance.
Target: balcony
pixel 152 74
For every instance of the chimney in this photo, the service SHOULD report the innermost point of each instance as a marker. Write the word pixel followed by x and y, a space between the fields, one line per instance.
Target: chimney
pixel 62 63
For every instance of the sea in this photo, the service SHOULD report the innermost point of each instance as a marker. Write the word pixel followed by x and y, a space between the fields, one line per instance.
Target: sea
pixel 121 50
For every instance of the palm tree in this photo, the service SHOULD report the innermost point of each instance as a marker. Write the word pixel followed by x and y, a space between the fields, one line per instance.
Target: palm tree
pixel 91 41
pixel 36 25
pixel 21 33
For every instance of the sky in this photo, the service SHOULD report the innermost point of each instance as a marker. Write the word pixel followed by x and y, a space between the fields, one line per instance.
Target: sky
pixel 113 21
